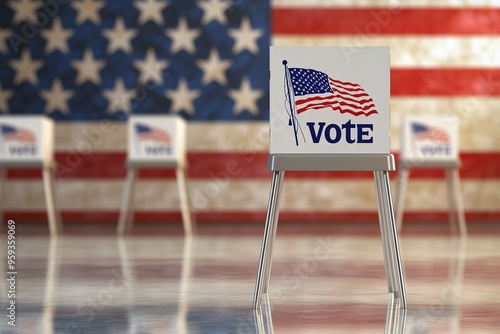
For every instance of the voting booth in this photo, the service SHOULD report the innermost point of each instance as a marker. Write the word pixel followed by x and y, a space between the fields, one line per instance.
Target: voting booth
pixel 28 142
pixel 329 111
pixel 431 142
pixel 155 142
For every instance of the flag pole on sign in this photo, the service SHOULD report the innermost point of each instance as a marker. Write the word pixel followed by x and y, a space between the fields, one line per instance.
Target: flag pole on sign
pixel 289 93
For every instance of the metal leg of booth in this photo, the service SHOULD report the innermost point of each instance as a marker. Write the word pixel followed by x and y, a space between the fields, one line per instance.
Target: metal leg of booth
pixel 57 212
pixel 125 220
pixel 385 233
pixel 187 218
pixel 392 256
pixel 49 200
pixel 265 260
pixel 455 201
pixel 403 175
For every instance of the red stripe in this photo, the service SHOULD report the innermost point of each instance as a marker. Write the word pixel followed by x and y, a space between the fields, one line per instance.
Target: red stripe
pixel 316 102
pixel 445 82
pixel 248 216
pixel 241 166
pixel 374 21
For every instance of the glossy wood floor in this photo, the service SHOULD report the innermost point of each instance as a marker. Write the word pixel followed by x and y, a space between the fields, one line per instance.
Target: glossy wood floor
pixel 325 279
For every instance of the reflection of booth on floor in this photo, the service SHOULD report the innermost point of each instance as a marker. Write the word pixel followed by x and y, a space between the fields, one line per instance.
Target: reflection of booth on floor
pixel 395 320
pixel 155 142
pixel 142 319
pixel 28 142
pixel 442 314
pixel 431 142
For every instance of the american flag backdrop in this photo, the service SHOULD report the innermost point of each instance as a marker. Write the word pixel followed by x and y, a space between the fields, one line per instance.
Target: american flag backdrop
pixel 86 61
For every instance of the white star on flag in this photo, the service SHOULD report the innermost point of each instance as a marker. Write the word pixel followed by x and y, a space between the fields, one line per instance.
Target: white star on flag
pixel 24 10
pixel 56 37
pixel 88 68
pixel 119 98
pixel 214 10
pixel 151 10
pixel 88 10
pixel 214 68
pixel 182 98
pixel 151 68
pixel 119 37
pixel 183 37
pixel 5 95
pixel 245 37
pixel 26 68
pixel 245 98
pixel 57 98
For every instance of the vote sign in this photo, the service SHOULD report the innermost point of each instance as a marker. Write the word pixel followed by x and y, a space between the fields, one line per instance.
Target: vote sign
pixel 157 138
pixel 26 139
pixel 430 138
pixel 330 100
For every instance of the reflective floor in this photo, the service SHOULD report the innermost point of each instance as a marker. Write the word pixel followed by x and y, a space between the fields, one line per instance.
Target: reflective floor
pixel 327 279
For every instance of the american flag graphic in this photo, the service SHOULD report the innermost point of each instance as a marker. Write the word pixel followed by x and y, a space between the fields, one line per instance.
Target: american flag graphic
pixel 422 132
pixel 94 60
pixel 316 90
pixel 11 133
pixel 148 133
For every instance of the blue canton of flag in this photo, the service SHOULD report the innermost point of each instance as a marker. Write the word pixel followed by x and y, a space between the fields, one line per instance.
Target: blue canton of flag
pixel 312 89
pixel 94 59
pixel 306 81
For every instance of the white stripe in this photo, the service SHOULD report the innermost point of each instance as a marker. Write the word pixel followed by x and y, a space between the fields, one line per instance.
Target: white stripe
pixel 478 131
pixel 413 51
pixel 220 195
pixel 385 3
pixel 89 137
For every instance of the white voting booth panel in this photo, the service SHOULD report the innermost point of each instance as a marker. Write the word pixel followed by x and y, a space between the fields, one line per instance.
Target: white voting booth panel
pixel 429 139
pixel 157 139
pixel 156 142
pixel 28 142
pixel 327 103
pixel 431 142
pixel 330 110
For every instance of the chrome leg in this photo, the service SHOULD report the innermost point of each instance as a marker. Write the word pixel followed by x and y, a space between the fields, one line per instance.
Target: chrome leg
pixel 49 200
pixel 57 212
pixel 457 199
pixel 126 211
pixel 187 218
pixel 384 233
pixel 392 256
pixel 403 175
pixel 264 271
pixel 452 209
